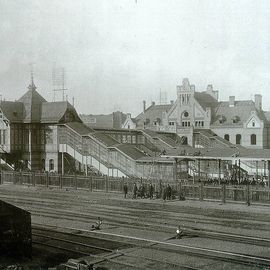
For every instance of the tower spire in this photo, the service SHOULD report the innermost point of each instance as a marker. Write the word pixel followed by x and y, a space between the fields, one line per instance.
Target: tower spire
pixel 32 85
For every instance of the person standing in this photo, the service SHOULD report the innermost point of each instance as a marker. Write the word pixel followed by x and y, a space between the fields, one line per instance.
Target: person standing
pixel 151 191
pixel 164 193
pixel 169 192
pixel 125 190
pixel 135 189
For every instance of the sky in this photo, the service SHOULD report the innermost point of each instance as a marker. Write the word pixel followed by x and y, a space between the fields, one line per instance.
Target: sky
pixel 117 53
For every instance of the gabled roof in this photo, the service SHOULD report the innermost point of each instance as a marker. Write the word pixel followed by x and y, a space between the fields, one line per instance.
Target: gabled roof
pixel 205 100
pixel 13 111
pixel 153 112
pixel 52 112
pixel 241 109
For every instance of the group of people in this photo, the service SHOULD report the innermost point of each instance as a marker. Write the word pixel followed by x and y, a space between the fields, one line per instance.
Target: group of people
pixel 235 181
pixel 143 191
pixel 149 191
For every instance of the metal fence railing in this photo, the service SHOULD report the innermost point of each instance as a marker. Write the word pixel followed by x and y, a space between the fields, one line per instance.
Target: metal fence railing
pixel 180 189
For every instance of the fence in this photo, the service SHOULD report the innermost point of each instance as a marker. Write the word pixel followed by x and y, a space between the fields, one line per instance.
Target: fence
pixel 199 191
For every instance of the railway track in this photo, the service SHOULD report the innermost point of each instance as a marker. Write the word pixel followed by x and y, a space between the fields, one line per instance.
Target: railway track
pixel 114 216
pixel 113 220
pixel 79 245
pixel 173 218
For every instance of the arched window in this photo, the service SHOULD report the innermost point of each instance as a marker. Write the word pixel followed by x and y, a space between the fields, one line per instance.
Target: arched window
pixel 253 139
pixel 51 165
pixel 227 137
pixel 43 164
pixel 238 138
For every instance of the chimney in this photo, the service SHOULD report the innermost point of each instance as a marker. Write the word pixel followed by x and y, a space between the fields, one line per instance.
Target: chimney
pixel 258 102
pixel 144 106
pixel 171 101
pixel 153 103
pixel 231 101
pixel 209 88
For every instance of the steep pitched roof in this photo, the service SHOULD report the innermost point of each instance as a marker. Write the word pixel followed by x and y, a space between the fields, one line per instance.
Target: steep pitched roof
pixel 241 109
pixel 52 112
pixel 32 101
pixel 153 112
pixel 13 111
pixel 205 100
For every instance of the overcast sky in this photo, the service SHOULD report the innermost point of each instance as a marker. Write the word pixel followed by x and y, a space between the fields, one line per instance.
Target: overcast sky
pixel 117 53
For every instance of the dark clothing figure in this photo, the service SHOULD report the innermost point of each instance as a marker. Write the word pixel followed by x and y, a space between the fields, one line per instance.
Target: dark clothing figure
pixel 135 190
pixel 151 191
pixel 169 192
pixel 141 191
pixel 125 190
pixel 97 225
pixel 164 193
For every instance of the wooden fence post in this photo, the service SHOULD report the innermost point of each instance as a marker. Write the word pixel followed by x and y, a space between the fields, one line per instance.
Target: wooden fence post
pixel 33 179
pixel 106 183
pixel 61 181
pixel 248 194
pixel 47 180
pixel 75 180
pixel 201 191
pixel 14 177
pixel 91 183
pixel 21 178
pixel 223 193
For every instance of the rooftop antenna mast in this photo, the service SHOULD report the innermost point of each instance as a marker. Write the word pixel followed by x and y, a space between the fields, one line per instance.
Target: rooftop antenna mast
pixel 32 75
pixel 58 81
pixel 162 97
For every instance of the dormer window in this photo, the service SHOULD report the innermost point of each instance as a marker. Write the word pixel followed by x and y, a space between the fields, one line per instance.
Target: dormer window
pixel 235 119
pixel 221 119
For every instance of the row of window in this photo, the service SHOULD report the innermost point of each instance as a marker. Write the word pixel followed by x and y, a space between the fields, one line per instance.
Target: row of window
pixel 238 137
pixel 2 137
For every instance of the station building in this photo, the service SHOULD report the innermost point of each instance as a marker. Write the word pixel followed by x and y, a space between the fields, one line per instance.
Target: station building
pixel 158 144
pixel 28 130
pixel 240 122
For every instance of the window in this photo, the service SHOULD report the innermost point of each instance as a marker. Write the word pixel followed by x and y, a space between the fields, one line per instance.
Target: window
pixel 171 123
pixel 253 123
pixel 186 114
pixel 43 164
pixel 238 138
pixel 51 165
pixel 202 123
pixel 253 139
pixel 227 137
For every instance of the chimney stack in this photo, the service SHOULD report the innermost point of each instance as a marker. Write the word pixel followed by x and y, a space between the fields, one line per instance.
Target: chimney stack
pixel 209 88
pixel 258 102
pixel 231 101
pixel 144 106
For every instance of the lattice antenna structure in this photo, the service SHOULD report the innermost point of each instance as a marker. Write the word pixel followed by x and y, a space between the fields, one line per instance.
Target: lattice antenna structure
pixel 58 82
pixel 162 97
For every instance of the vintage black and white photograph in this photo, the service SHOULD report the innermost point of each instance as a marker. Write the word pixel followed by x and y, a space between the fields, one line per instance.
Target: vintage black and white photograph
pixel 134 134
